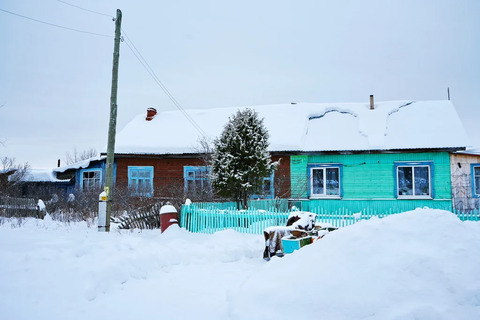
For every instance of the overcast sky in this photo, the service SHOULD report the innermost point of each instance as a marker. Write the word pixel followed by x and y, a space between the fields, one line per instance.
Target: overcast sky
pixel 55 83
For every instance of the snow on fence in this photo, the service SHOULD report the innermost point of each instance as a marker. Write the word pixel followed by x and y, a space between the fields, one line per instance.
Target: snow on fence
pixel 343 217
pixel 19 207
pixel 208 219
pixel 211 220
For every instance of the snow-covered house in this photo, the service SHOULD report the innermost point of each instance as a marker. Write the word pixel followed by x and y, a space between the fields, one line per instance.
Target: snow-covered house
pixel 43 184
pixel 162 155
pixel 335 155
pixel 86 175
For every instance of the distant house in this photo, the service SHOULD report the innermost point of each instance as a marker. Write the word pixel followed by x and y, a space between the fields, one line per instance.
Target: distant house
pixel 44 184
pixel 84 176
pixel 384 155
pixel 33 183
pixel 56 185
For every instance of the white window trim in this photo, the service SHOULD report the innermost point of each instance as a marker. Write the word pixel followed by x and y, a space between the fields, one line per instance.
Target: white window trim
pixel 414 165
pixel 324 195
pixel 90 170
pixel 410 197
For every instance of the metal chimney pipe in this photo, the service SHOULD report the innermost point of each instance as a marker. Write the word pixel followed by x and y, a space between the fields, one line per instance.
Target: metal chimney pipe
pixel 372 106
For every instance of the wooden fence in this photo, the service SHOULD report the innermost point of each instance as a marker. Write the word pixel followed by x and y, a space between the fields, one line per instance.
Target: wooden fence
pixel 19 207
pixel 208 219
pixel 264 204
pixel 254 221
pixel 473 215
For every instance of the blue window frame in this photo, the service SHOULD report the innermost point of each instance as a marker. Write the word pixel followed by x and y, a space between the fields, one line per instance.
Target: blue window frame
pixel 414 180
pixel 140 181
pixel 267 190
pixel 90 179
pixel 196 180
pixel 325 180
pixel 475 169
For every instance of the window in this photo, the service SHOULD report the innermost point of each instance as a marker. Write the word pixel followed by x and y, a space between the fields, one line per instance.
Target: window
pixel 267 189
pixel 91 179
pixel 196 180
pixel 325 180
pixel 476 179
pixel 413 180
pixel 140 181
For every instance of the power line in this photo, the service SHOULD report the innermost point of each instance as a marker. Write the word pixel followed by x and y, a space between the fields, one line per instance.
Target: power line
pixel 147 67
pixel 150 71
pixel 169 95
pixel 92 11
pixel 135 52
pixel 55 25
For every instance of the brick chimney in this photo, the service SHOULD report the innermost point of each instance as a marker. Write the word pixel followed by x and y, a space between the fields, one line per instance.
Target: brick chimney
pixel 151 113
pixel 372 105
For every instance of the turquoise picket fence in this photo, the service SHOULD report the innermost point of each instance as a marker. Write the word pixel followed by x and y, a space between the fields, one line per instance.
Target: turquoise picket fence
pixel 473 215
pixel 262 204
pixel 343 217
pixel 209 218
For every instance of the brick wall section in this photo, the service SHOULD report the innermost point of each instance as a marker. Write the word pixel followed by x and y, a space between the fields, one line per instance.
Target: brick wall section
pixel 282 177
pixel 168 174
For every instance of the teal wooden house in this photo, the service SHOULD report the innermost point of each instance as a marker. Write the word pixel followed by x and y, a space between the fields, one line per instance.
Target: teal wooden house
pixel 386 157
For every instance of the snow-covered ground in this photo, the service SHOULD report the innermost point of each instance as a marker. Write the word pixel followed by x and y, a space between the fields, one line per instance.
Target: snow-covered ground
pixel 423 264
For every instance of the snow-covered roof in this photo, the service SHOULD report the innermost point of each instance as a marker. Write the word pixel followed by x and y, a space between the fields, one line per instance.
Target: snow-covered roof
pixel 41 175
pixel 473 151
pixel 307 127
pixel 79 165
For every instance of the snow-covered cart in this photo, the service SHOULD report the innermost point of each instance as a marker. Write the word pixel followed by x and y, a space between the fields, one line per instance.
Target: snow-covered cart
pixel 301 230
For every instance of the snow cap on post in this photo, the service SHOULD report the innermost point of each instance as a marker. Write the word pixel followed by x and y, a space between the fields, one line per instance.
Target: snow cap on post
pixel 168 208
pixel 168 216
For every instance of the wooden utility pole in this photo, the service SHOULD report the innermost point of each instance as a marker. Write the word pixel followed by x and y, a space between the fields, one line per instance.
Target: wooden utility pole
pixel 113 122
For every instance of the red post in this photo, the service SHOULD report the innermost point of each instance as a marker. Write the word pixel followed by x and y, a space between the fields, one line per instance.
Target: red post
pixel 168 216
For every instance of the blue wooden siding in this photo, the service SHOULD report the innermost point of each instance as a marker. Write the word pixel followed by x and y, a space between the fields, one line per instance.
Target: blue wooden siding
pixel 98 165
pixel 371 178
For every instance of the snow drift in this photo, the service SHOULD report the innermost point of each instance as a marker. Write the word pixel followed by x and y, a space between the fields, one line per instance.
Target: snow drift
pixel 416 265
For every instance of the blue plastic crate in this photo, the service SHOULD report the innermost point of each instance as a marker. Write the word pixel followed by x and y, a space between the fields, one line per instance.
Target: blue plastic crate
pixel 290 245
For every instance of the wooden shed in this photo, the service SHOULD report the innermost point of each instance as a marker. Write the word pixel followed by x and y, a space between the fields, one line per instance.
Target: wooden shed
pixel 465 168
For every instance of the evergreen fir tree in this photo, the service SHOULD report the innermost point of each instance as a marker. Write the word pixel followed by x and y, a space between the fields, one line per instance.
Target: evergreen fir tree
pixel 240 159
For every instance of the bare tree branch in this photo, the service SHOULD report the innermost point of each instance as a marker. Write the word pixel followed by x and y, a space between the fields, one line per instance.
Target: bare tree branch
pixel 77 156
pixel 12 175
